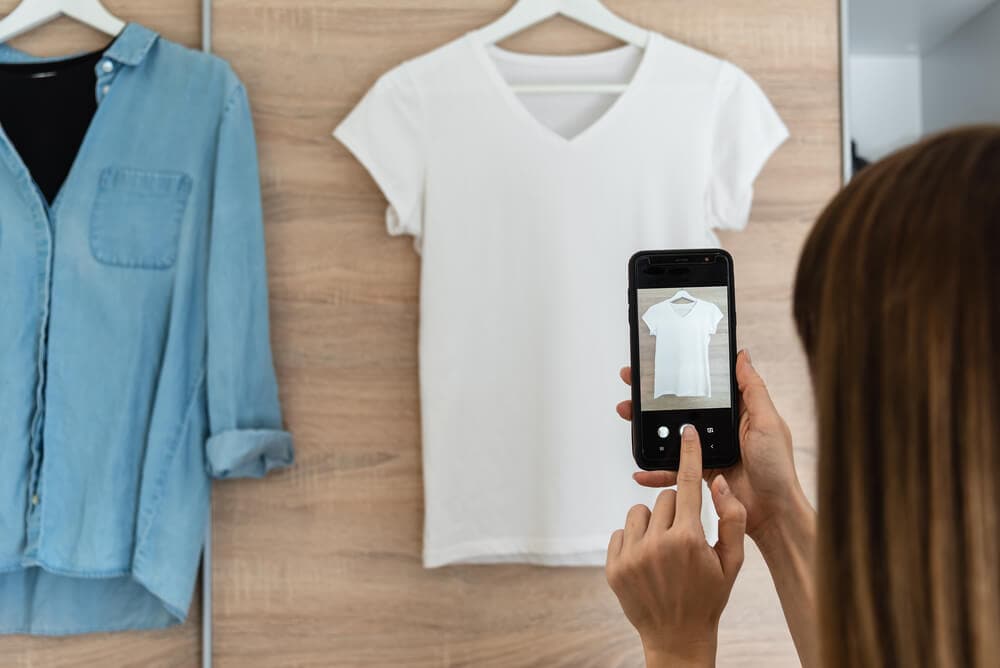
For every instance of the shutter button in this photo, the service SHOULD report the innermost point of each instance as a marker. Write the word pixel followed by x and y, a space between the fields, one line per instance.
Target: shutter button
pixel 107 66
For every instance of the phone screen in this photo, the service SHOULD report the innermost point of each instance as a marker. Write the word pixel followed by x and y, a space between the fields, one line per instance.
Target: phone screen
pixel 683 334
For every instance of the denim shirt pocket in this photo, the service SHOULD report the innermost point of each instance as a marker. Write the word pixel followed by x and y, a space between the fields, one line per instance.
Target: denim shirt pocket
pixel 137 216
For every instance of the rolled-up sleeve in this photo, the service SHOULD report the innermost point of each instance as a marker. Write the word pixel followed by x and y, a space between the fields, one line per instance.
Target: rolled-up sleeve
pixel 246 438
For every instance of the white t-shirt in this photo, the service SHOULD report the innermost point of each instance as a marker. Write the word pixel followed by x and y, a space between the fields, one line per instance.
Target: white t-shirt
pixel 683 332
pixel 526 210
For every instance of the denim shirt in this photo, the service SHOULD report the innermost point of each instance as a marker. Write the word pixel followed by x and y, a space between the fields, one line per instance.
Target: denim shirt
pixel 134 345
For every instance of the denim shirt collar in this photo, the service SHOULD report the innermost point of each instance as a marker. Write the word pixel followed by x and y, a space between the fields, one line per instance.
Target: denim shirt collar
pixel 128 48
pixel 131 45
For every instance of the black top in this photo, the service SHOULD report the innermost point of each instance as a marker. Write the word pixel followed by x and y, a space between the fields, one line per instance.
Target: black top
pixel 45 109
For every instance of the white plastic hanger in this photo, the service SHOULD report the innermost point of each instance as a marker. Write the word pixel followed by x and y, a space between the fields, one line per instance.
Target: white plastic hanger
pixel 681 294
pixel 591 13
pixel 32 13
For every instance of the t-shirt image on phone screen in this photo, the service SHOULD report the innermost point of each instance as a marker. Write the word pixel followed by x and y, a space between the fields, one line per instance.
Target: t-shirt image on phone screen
pixel 682 325
pixel 685 349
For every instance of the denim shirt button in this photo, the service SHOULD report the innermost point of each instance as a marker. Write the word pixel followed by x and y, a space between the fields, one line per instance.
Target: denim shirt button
pixel 35 500
pixel 105 90
pixel 108 66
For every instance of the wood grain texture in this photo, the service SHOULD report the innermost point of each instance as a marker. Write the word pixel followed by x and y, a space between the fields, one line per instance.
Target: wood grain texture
pixel 178 647
pixel 320 566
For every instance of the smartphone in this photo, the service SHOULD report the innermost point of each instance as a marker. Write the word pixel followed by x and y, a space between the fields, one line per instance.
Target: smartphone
pixel 682 321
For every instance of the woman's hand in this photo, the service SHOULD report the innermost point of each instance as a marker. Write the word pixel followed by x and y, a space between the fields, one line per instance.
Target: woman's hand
pixel 779 518
pixel 671 584
pixel 764 479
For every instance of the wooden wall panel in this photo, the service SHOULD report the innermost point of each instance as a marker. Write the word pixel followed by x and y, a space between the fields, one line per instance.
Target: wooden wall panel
pixel 320 565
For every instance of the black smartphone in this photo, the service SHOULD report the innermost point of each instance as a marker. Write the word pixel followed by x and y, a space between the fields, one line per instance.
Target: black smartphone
pixel 682 321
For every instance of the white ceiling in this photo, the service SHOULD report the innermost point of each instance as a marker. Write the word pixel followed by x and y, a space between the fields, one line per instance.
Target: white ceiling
pixel 906 26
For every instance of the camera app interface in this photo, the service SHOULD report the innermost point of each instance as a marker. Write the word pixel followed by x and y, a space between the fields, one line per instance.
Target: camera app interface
pixel 684 348
pixel 682 335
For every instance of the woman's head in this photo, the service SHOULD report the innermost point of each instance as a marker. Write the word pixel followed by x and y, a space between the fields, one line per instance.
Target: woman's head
pixel 897 302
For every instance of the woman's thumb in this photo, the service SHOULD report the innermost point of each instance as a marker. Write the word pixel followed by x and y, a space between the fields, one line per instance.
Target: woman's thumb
pixel 756 398
pixel 732 526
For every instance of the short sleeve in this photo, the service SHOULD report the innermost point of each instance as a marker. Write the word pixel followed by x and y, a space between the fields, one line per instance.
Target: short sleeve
pixel 385 133
pixel 649 317
pixel 714 318
pixel 745 132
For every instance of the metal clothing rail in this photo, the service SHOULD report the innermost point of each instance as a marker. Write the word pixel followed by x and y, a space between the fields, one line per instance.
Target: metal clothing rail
pixel 206 559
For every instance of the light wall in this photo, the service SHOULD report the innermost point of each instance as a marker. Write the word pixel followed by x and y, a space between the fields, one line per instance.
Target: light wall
pixel 885 102
pixel 907 26
pixel 961 76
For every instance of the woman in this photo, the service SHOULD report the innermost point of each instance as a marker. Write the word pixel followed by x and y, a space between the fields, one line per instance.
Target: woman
pixel 897 308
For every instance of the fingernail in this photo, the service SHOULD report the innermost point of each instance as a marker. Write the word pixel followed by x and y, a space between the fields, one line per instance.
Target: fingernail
pixel 723 485
pixel 687 432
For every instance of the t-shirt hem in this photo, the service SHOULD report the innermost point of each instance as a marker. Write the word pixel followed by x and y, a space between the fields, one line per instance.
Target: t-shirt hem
pixel 587 551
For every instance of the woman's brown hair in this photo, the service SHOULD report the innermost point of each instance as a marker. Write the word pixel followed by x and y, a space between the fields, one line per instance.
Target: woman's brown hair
pixel 897 302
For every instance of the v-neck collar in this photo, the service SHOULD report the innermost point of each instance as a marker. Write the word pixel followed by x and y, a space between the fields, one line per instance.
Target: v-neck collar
pixel 518 108
pixel 128 48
